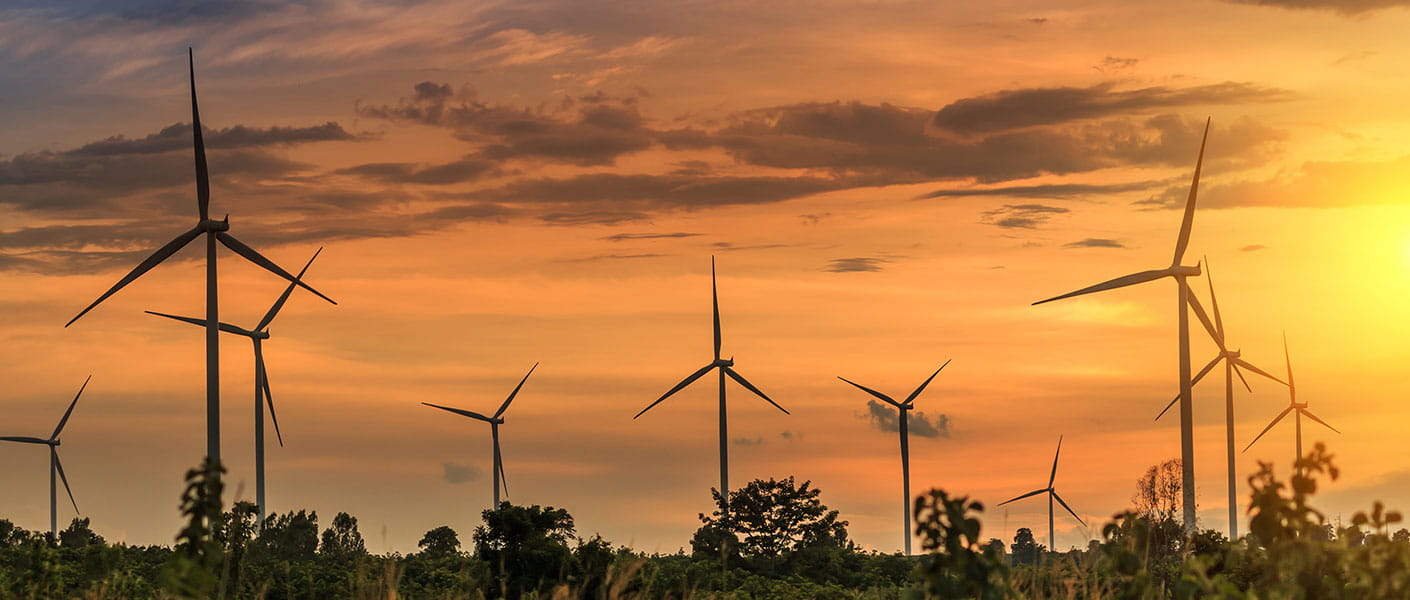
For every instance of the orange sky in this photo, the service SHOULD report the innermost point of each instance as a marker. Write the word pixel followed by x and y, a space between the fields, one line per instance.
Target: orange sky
pixel 884 188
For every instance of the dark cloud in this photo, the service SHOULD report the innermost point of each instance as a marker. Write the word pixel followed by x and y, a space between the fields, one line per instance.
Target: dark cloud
pixel 1013 109
pixel 1021 216
pixel 887 418
pixel 602 257
pixel 178 137
pixel 856 265
pixel 731 247
pixel 468 168
pixel 589 131
pixel 888 145
pixel 643 192
pixel 1051 191
pixel 791 436
pixel 756 441
pixel 814 218
pixel 1252 248
pixel 460 473
pixel 622 237
pixel 1343 7
pixel 1094 243
pixel 1113 64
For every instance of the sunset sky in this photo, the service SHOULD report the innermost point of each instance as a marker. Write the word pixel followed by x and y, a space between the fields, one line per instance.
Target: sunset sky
pixel 884 185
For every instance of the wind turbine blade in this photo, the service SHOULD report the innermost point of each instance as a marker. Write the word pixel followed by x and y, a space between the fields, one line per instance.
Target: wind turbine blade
pixel 883 397
pixel 1213 299
pixel 268 396
pixel 203 177
pixel 1270 426
pixel 1053 476
pixel 156 258
pixel 684 382
pixel 505 406
pixel 912 397
pixel 503 481
pixel 1292 388
pixel 68 412
pixel 1247 365
pixel 1119 282
pixel 1308 414
pixel 1193 380
pixel 749 386
pixel 284 297
pixel 65 478
pixel 1032 493
pixel 23 439
pixel 251 255
pixel 715 302
pixel 1189 221
pixel 1240 373
pixel 461 412
pixel 1069 508
pixel 1204 317
pixel 226 327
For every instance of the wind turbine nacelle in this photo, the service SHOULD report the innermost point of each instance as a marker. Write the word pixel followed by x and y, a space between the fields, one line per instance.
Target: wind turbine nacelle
pixel 1183 271
pixel 260 335
pixel 214 226
pixel 1299 405
pixel 723 362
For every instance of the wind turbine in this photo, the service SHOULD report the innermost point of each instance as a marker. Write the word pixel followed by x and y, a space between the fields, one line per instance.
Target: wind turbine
pixel 262 393
pixel 1052 495
pixel 494 421
pixel 1232 361
pixel 1299 408
pixel 904 409
pixel 1179 273
pixel 726 367
pixel 55 466
pixel 214 231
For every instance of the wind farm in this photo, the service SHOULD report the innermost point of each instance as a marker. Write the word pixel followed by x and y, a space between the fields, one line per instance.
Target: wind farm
pixel 879 190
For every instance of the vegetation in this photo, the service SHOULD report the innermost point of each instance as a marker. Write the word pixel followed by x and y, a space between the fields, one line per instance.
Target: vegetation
pixel 779 541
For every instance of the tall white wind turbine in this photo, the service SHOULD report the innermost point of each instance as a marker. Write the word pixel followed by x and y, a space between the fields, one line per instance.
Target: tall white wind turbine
pixel 1052 495
pixel 494 421
pixel 56 467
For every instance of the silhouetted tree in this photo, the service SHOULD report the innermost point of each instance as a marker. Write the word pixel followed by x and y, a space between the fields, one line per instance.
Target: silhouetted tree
pixel 526 548
pixel 438 542
pixel 79 535
pixel 1401 536
pixel 1158 491
pixel 777 527
pixel 291 536
pixel 1025 549
pixel 342 540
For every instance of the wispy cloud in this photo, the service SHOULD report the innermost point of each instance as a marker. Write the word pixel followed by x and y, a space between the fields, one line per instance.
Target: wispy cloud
pixel 1021 216
pixel 887 418
pixel 623 237
pixel 861 264
pixel 1094 243
pixel 460 473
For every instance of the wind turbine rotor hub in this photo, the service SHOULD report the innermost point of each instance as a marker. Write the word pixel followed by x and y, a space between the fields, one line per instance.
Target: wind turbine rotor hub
pixel 1184 271
pixel 214 226
pixel 723 362
pixel 260 335
pixel 1232 353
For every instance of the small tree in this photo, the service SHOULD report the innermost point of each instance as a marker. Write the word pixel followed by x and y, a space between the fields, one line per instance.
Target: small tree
pixel 1158 491
pixel 778 526
pixel 526 548
pixel 440 542
pixel 342 540
pixel 1025 548
pixel 291 536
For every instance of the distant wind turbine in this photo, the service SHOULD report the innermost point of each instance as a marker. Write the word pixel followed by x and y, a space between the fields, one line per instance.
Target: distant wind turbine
pixel 1052 495
pixel 262 393
pixel 1298 408
pixel 726 367
pixel 55 466
pixel 1179 273
pixel 214 231
pixel 904 409
pixel 494 421
pixel 1232 361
